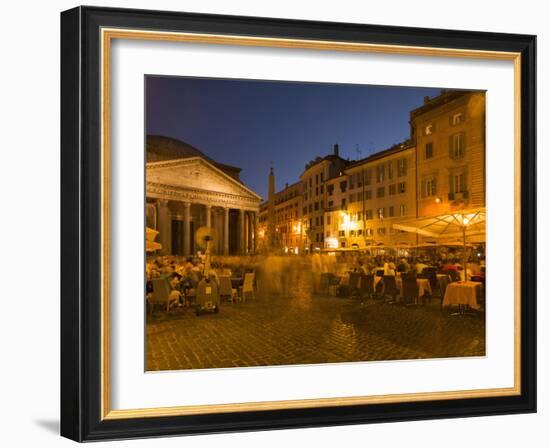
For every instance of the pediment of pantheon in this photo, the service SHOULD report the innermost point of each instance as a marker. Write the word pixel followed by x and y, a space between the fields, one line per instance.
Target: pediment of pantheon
pixel 196 180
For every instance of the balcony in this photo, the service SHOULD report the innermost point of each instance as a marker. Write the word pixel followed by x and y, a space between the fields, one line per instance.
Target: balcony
pixel 458 196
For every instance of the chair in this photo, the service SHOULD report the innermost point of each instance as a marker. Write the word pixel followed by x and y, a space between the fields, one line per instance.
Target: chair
pixel 366 288
pixel 162 295
pixel 390 287
pixel 226 289
pixel 455 275
pixel 248 286
pixel 354 283
pixel 410 289
pixel 431 276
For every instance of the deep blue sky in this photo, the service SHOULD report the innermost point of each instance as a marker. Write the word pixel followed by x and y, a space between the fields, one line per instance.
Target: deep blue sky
pixel 252 123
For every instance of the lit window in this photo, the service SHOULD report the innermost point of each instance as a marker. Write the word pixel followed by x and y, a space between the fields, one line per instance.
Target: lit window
pixel 401 187
pixel 402 210
pixel 457 118
pixel 381 213
pixel 429 129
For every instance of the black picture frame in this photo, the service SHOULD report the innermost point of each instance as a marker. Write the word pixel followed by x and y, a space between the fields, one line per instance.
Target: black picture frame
pixel 81 224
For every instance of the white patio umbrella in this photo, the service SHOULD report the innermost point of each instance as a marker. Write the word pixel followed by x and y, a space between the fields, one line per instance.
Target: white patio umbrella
pixel 150 244
pixel 460 224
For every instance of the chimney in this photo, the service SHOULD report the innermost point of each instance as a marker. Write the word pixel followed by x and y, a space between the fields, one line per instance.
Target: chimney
pixel 336 150
pixel 286 184
pixel 426 99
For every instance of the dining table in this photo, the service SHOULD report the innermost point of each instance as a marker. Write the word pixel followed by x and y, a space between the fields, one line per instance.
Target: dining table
pixel 462 293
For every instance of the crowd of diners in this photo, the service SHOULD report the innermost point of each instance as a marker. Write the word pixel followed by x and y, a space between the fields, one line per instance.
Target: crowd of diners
pixel 389 265
pixel 183 274
pixel 280 273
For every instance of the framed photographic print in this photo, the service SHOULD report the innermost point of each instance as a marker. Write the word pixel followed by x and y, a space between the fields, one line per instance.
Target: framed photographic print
pixel 276 224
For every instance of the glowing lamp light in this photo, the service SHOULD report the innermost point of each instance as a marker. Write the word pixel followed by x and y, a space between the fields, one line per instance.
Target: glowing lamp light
pixel 437 200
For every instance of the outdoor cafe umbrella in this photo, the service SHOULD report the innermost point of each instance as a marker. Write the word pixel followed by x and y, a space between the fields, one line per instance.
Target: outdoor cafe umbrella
pixel 150 244
pixel 460 224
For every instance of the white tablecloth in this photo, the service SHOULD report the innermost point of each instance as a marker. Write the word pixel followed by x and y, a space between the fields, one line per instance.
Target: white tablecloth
pixel 462 293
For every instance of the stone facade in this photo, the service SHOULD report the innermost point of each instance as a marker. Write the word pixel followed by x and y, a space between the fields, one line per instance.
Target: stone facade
pixel 190 191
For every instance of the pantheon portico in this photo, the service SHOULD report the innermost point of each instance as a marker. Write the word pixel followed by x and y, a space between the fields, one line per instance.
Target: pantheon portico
pixel 186 190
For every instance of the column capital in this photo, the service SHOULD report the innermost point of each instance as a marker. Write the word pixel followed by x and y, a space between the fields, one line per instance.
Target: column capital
pixel 187 204
pixel 162 202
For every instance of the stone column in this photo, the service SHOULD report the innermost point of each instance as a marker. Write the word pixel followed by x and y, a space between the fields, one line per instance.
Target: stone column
pixel 256 223
pixel 242 234
pixel 186 229
pixel 164 227
pixel 249 233
pixel 226 231
pixel 208 216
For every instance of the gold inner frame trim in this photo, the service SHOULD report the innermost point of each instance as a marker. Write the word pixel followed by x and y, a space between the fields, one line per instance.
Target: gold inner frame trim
pixel 107 35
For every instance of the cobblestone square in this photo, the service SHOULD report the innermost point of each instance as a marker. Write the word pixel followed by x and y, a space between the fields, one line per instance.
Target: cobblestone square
pixel 308 330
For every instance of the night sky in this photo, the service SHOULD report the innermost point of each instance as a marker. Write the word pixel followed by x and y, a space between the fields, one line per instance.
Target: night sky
pixel 250 124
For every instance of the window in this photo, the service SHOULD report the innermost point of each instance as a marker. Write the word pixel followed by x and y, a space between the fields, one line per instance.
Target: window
pixel 343 202
pixel 368 232
pixel 316 206
pixel 380 192
pixel 401 187
pixel 368 214
pixel 328 220
pixel 380 213
pixel 352 233
pixel 304 211
pixel 322 177
pixel 316 221
pixel 429 129
pixel 367 177
pixel 352 198
pixel 316 179
pixel 310 182
pixel 360 232
pixel 342 233
pixel 351 181
pixel 381 230
pixel 343 186
pixel 316 191
pixel 457 118
pixel 330 203
pixel 429 188
pixel 305 196
pixel 429 150
pixel 322 220
pixel 390 170
pixel 368 195
pixel 393 189
pixel 457 145
pixel 359 216
pixel 390 211
pixel 360 179
pixel 401 167
pixel 322 189
pixel 380 173
pixel 310 208
pixel 457 183
pixel 330 189
pixel 402 210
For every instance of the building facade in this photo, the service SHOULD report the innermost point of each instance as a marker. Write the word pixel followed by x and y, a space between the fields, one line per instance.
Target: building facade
pixel 439 169
pixel 450 136
pixel 371 195
pixel 186 191
pixel 314 196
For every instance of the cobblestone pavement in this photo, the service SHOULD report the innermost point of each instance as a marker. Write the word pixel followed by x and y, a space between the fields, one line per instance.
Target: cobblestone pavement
pixel 307 330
